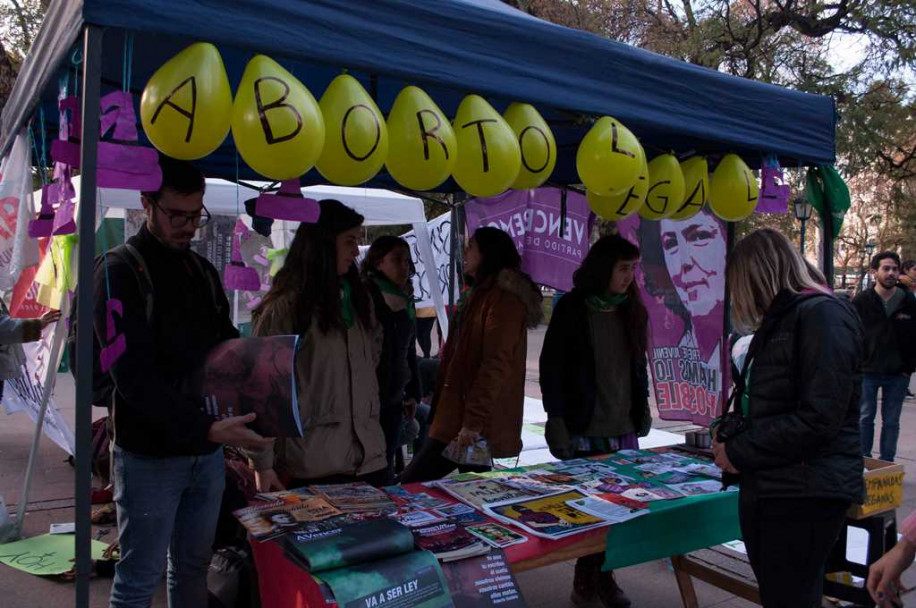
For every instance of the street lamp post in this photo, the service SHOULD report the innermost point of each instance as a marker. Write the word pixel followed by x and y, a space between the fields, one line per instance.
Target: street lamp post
pixel 869 251
pixel 803 211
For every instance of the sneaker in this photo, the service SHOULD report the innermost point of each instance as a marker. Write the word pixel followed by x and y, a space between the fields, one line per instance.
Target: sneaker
pixel 610 593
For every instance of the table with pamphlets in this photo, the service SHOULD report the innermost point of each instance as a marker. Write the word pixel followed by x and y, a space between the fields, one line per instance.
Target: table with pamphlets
pixel 636 506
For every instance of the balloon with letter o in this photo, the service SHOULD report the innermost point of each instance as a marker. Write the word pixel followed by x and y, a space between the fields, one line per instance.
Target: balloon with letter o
pixel 276 123
pixel 356 137
pixel 186 106
pixel 536 143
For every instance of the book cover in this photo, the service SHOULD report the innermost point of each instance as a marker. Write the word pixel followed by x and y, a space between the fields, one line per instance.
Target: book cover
pixel 546 516
pixel 496 535
pixel 254 375
pixel 354 497
pixel 280 517
pixel 448 540
pixel 483 582
pixel 351 544
pixel 479 492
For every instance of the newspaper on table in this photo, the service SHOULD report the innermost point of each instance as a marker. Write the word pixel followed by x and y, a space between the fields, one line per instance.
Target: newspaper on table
pixel 550 517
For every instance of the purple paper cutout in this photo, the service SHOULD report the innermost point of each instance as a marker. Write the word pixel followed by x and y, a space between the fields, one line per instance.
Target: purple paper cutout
pixel 237 276
pixel 288 204
pixel 117 343
pixel 774 193
pixel 43 225
pixel 64 220
pixel 122 162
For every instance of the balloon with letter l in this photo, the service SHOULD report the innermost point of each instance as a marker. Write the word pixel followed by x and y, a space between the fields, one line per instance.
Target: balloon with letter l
pixel 733 189
pixel 696 187
pixel 186 106
pixel 422 149
pixel 666 188
pixel 276 123
pixel 356 137
pixel 624 205
pixel 536 144
pixel 488 154
pixel 608 158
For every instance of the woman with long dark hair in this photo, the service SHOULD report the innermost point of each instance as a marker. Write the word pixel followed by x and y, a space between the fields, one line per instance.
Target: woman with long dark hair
pixel 594 380
pixel 480 392
pixel 793 442
pixel 386 272
pixel 319 296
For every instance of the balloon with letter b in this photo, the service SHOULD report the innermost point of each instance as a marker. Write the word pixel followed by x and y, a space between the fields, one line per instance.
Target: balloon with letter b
pixel 276 123
pixel 536 144
pixel 608 158
pixel 666 188
pixel 356 138
pixel 186 106
pixel 733 189
pixel 696 187
pixel 623 205
pixel 488 154
pixel 422 148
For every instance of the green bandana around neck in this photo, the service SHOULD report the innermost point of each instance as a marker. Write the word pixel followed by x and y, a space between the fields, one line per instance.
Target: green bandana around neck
pixel 385 285
pixel 605 302
pixel 346 303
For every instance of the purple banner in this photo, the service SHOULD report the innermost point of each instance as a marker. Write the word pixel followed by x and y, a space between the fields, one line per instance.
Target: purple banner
pixel 681 279
pixel 551 249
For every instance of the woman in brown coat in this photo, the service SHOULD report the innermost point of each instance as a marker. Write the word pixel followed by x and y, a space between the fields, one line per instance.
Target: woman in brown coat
pixel 480 391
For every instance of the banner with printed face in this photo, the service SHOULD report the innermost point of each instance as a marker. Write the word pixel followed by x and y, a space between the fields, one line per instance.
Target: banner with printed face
pixel 552 246
pixel 681 279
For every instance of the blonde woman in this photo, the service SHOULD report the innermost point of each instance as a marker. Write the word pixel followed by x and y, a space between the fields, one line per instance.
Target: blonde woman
pixel 797 455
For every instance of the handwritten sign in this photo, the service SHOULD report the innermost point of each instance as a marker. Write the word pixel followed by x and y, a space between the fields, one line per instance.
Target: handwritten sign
pixel 883 492
pixel 45 555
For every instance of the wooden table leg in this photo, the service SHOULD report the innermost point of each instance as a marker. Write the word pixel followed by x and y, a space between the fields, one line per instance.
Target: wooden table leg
pixel 684 583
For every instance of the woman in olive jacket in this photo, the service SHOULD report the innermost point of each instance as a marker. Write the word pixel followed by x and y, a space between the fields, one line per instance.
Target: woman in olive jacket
pixel 797 453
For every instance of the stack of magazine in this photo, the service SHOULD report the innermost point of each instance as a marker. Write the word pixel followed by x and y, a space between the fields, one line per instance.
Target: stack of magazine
pixel 449 541
pixel 356 497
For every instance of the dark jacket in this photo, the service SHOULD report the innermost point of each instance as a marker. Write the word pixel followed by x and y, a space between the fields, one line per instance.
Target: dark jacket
pixel 567 369
pixel 397 369
pixel 890 342
pixel 481 383
pixel 802 439
pixel 155 413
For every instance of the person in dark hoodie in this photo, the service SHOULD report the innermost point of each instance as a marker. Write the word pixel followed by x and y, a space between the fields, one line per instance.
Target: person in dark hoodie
pixel 796 450
pixel 594 379
pixel 888 312
pixel 386 271
pixel 480 392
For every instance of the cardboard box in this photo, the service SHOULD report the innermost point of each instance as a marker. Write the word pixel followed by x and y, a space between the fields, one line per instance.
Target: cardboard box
pixel 883 489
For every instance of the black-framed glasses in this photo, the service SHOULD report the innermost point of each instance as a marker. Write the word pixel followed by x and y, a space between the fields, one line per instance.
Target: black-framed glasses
pixel 180 220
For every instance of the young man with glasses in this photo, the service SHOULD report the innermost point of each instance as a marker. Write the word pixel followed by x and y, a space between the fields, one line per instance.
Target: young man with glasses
pixel 168 462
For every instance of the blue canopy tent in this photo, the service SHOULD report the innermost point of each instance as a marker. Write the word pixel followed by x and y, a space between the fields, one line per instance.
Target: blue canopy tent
pixel 447 47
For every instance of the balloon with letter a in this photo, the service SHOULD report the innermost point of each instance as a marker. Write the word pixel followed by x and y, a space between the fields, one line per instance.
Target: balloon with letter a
pixel 696 187
pixel 666 188
pixel 536 144
pixel 422 148
pixel 356 138
pixel 624 205
pixel 733 189
pixel 489 158
pixel 276 123
pixel 186 106
pixel 608 158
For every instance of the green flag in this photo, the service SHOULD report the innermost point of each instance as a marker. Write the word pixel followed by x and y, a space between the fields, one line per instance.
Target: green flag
pixel 828 193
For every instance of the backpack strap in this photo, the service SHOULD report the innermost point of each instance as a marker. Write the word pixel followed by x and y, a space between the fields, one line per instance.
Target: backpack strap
pixel 215 289
pixel 135 259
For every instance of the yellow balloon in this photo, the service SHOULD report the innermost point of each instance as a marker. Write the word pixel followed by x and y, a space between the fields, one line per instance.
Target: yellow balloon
pixel 186 106
pixel 622 206
pixel 696 187
pixel 422 149
pixel 733 189
pixel 356 142
pixel 489 158
pixel 666 188
pixel 608 158
pixel 536 143
pixel 276 123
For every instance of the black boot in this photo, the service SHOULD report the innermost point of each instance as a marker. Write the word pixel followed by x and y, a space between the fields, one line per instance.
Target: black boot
pixel 610 593
pixel 585 581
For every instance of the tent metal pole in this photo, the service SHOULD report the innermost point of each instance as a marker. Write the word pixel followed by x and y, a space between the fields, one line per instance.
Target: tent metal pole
pixel 89 143
pixel 453 247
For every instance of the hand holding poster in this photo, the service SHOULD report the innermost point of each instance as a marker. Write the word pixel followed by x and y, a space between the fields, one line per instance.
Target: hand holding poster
pixel 682 282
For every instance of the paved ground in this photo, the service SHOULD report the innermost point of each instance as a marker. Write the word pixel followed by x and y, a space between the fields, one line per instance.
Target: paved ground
pixel 649 585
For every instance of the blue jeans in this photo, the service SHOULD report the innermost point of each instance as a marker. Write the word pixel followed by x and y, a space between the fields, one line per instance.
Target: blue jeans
pixel 166 507
pixel 893 392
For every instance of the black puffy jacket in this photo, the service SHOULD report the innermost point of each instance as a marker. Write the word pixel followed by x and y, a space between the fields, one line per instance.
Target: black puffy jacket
pixel 805 383
pixel 567 369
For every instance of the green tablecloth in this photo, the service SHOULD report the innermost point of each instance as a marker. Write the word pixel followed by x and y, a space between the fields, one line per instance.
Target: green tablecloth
pixel 674 527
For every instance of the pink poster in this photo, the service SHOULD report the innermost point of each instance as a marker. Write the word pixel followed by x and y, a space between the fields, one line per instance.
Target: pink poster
pixel 682 281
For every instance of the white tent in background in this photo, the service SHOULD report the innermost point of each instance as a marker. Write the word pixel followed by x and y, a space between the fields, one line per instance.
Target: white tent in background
pixel 379 207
